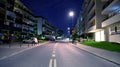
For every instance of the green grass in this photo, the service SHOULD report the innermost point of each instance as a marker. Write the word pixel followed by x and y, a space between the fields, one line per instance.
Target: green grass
pixel 42 41
pixel 104 45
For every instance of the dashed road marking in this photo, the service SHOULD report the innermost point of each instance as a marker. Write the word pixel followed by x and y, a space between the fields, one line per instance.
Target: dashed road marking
pixel 55 63
pixel 50 63
pixel 53 52
pixel 53 55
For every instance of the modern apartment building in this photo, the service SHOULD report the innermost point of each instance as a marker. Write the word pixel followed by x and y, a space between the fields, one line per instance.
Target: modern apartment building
pixel 80 26
pixel 43 27
pixel 100 20
pixel 111 23
pixel 24 18
pixel 91 20
pixel 16 19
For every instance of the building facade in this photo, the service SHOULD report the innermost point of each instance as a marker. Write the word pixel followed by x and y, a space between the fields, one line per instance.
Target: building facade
pixel 111 23
pixel 100 20
pixel 16 20
pixel 43 26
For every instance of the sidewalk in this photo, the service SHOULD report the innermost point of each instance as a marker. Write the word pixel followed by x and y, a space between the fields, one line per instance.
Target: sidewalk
pixel 113 57
pixel 15 45
pixel 6 51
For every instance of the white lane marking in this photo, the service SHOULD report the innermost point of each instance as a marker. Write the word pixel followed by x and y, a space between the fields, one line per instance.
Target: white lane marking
pixel 53 55
pixel 50 63
pixel 3 57
pixel 55 44
pixel 53 52
pixel 55 63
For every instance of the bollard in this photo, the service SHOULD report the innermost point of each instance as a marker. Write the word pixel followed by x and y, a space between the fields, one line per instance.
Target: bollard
pixel 20 44
pixel 10 45
pixel 28 45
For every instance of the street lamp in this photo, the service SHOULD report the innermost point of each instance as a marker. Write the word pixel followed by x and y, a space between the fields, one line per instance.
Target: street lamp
pixel 71 14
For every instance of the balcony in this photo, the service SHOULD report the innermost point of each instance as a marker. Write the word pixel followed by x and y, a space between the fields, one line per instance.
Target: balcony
pixel 92 16
pixel 27 11
pixel 31 32
pixel 10 7
pixel 9 18
pixel 17 11
pixel 28 18
pixel 19 14
pixel 111 20
pixel 18 5
pixel 91 7
pixel 2 5
pixel 18 20
pixel 110 6
pixel 11 2
pixel 10 15
pixel 25 30
pixel 28 22
pixel 92 28
pixel 107 3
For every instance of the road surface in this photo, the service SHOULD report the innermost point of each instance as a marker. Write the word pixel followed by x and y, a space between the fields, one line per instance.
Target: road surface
pixel 55 54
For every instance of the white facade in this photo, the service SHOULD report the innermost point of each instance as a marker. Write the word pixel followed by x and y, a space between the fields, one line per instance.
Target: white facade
pixel 40 21
pixel 112 22
pixel 102 19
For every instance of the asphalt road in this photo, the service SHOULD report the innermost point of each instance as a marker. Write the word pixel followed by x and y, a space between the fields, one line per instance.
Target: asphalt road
pixel 55 54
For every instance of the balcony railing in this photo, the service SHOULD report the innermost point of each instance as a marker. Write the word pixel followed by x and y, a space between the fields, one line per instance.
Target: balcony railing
pixel 90 25
pixel 107 4
pixel 19 14
pixel 10 7
pixel 91 17
pixel 91 7
pixel 10 18
pixel 18 20
pixel 116 12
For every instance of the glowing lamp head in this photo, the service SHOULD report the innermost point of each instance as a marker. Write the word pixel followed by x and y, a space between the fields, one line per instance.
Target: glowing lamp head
pixel 71 13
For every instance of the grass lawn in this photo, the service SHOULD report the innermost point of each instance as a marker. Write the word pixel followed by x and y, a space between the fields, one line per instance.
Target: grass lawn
pixel 104 45
pixel 42 41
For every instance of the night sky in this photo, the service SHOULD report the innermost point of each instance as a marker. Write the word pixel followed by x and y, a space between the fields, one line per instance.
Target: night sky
pixel 56 11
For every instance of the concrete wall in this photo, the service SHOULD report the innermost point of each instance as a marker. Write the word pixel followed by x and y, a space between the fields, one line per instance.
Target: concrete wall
pixel 111 20
pixel 99 16
pixel 115 38
pixel 111 35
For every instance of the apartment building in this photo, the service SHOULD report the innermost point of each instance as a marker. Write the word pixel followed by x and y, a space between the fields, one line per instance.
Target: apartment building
pixel 91 20
pixel 24 19
pixel 43 26
pixel 80 26
pixel 100 20
pixel 16 19
pixel 111 23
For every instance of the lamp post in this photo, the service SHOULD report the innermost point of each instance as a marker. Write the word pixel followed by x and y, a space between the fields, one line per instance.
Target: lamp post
pixel 71 14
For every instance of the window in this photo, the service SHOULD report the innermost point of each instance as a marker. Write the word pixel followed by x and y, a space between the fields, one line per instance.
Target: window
pixel 115 29
pixel 7 23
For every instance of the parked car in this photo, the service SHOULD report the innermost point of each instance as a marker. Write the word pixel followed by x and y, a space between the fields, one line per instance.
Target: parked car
pixel 30 40
pixel 50 37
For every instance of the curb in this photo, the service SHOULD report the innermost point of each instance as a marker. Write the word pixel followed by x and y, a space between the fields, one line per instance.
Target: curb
pixel 98 55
